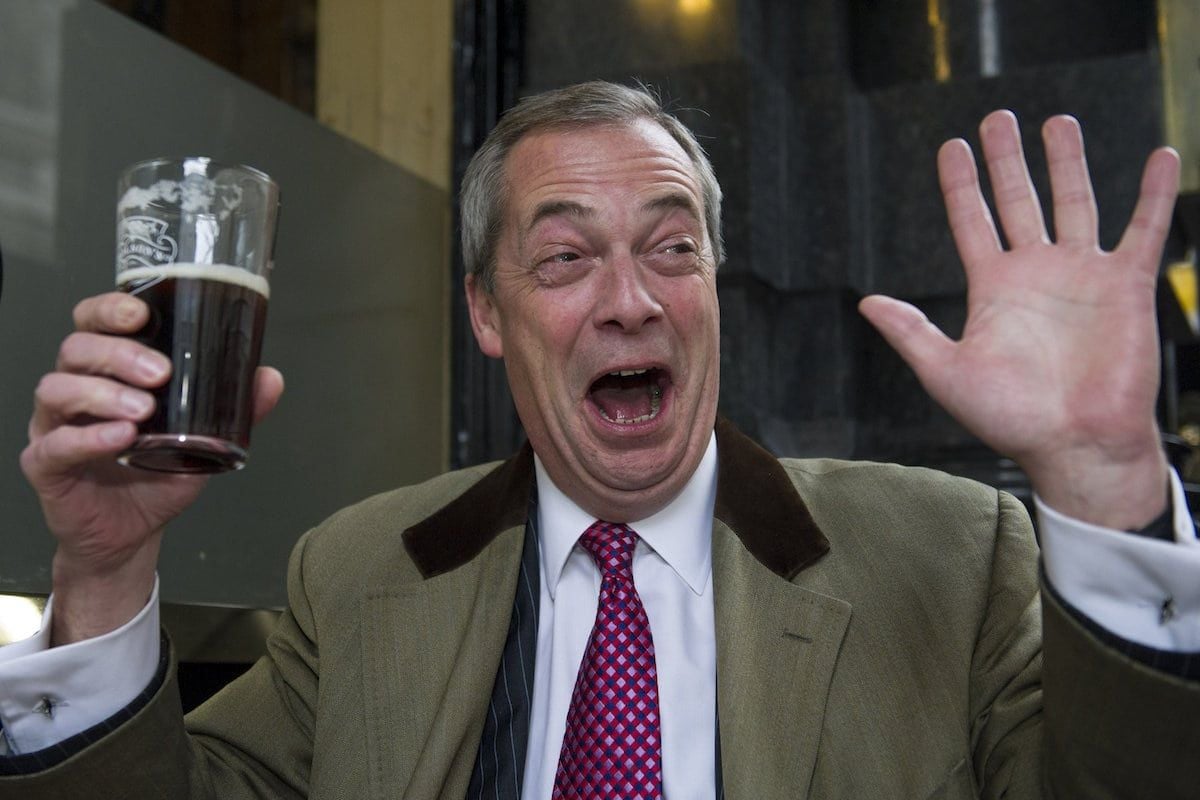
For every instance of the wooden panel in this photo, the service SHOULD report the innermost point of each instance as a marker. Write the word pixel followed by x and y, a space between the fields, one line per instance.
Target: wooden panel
pixel 1178 27
pixel 384 79
pixel 269 43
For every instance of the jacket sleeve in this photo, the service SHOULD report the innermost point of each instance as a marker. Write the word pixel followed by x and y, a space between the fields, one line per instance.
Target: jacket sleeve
pixel 252 740
pixel 1067 715
pixel 1115 727
pixel 1006 665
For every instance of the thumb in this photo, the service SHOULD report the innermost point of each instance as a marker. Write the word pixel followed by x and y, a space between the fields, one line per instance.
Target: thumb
pixel 919 342
pixel 268 387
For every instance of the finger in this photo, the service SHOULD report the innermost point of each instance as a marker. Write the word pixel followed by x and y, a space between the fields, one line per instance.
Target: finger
pixel 68 447
pixel 1075 218
pixel 1147 229
pixel 113 356
pixel 910 333
pixel 1012 188
pixel 114 312
pixel 62 398
pixel 268 387
pixel 970 220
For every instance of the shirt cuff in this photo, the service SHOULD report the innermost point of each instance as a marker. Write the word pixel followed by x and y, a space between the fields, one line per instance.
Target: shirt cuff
pixel 48 695
pixel 1143 590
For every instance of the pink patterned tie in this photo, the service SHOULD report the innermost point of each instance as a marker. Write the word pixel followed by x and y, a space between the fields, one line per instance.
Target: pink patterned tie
pixel 612 747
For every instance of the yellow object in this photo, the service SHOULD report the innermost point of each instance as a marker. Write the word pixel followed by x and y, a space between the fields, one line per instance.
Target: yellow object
pixel 696 7
pixel 1182 277
pixel 941 47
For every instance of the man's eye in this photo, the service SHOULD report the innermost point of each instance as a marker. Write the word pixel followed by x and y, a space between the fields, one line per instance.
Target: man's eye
pixel 681 247
pixel 561 268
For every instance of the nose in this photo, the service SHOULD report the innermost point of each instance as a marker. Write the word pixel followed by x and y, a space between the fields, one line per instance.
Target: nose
pixel 626 302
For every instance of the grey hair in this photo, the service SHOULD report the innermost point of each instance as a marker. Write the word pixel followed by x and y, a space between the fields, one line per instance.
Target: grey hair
pixel 484 186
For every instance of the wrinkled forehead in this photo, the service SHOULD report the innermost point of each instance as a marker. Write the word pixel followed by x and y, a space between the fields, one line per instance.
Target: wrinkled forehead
pixel 566 164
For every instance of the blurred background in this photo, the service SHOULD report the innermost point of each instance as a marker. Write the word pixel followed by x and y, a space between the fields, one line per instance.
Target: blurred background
pixel 822 119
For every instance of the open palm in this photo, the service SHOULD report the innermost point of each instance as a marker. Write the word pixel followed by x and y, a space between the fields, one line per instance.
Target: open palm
pixel 1057 366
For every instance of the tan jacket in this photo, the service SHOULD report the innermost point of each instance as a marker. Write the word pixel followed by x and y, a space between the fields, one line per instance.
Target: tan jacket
pixel 879 635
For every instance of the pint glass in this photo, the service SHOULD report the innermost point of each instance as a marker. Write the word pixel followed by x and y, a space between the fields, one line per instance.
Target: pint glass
pixel 195 241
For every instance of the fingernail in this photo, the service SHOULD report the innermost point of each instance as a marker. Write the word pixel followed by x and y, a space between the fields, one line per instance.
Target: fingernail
pixel 152 366
pixel 136 404
pixel 128 313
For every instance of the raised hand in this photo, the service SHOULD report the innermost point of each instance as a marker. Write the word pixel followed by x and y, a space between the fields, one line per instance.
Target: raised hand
pixel 107 518
pixel 1058 363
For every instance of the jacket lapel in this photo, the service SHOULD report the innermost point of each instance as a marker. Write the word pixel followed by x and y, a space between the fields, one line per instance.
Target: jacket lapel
pixel 777 643
pixel 441 638
pixel 446 677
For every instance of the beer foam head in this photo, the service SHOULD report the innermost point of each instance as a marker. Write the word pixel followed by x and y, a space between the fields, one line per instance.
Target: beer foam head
pixel 209 272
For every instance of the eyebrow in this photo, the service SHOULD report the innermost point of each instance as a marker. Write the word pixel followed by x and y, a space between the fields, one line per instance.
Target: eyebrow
pixel 674 200
pixel 559 208
pixel 569 208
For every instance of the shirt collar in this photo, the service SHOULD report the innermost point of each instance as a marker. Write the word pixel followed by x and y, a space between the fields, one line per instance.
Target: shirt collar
pixel 681 533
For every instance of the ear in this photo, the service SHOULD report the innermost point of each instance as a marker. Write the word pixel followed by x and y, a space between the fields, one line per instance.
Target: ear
pixel 485 318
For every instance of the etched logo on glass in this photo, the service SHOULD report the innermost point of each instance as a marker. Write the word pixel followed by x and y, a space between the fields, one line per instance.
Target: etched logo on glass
pixel 143 242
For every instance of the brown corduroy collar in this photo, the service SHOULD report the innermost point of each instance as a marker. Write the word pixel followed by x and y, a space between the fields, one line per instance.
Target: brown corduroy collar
pixel 755 498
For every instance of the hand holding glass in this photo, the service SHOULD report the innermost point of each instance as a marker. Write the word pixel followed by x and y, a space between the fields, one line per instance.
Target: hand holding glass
pixel 195 241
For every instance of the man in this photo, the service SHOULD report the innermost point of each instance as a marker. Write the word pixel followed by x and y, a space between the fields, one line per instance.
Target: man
pixel 816 629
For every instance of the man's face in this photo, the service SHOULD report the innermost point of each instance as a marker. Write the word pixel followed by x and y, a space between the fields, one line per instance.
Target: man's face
pixel 605 313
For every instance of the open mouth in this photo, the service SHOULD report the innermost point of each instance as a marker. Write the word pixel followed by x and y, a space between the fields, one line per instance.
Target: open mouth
pixel 630 396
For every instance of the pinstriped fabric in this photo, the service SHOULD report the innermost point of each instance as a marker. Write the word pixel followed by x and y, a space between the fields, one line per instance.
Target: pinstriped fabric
pixel 720 777
pixel 500 764
pixel 26 763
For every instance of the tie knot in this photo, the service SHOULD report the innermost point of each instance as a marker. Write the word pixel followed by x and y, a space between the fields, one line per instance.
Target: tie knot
pixel 611 545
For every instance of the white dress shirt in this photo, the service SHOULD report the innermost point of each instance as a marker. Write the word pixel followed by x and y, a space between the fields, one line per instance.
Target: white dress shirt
pixel 1143 590
pixel 50 694
pixel 89 681
pixel 672 570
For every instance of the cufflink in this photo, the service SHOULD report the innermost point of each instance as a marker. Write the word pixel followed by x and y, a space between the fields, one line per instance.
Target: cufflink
pixel 1166 611
pixel 46 707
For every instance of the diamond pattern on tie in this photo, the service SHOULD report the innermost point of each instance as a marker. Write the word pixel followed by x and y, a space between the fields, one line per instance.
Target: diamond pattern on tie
pixel 612 746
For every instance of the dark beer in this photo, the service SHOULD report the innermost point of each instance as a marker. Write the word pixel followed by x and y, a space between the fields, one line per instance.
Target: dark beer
pixel 209 320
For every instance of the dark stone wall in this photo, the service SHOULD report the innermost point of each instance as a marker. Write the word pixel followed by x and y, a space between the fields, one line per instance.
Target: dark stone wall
pixel 823 120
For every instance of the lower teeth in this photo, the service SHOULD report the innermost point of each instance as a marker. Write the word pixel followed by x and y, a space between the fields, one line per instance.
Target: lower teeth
pixel 655 406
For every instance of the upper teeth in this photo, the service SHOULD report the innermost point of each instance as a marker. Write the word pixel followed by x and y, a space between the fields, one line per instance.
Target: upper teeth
pixel 625 373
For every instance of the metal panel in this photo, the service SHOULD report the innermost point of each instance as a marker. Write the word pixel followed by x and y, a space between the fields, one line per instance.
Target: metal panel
pixel 488 35
pixel 358 308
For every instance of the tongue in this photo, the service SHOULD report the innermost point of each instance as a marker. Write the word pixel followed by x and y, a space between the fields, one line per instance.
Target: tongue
pixel 623 404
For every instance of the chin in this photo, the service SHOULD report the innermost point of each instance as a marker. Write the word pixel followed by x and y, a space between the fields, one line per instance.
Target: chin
pixel 640 471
